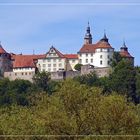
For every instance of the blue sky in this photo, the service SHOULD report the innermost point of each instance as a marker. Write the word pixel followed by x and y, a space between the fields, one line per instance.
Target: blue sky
pixel 37 24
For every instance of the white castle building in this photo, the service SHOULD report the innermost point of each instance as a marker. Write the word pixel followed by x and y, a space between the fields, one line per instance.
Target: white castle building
pixel 96 54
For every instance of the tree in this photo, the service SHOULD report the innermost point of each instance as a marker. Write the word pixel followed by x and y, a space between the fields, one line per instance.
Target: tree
pixel 123 79
pixel 41 80
pixel 90 79
pixel 115 59
pixel 138 83
pixel 78 67
pixel 79 110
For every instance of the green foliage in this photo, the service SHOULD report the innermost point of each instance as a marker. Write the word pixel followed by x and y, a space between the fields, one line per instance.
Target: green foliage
pixel 14 91
pixel 90 79
pixel 123 79
pixel 138 80
pixel 41 80
pixel 116 59
pixel 78 67
pixel 75 109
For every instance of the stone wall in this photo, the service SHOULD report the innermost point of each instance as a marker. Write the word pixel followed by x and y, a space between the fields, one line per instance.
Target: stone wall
pixel 19 75
pixel 5 63
pixel 60 75
pixel 101 72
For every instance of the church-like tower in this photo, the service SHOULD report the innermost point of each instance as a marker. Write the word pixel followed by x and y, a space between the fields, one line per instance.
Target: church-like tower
pixel 88 36
pixel 125 54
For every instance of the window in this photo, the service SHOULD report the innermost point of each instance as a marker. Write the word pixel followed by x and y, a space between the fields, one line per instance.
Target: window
pixel 54 65
pixel 15 74
pixel 49 69
pixel 60 65
pixel 49 60
pixel 101 50
pixel 49 65
pixel 108 62
pixel 107 50
pixel 101 62
pixel 54 60
pixel 25 73
pixel 80 60
pixel 73 61
pixel 29 73
pixel 86 54
pixel 91 54
pixel 108 57
pixel 44 65
pixel 54 69
pixel 80 54
pixel 86 60
pixel 22 73
pixel 101 56
pixel 91 60
pixel 52 50
pixel 43 60
pixel 59 60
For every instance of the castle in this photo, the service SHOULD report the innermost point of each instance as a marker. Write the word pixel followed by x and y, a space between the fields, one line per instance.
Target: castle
pixel 94 57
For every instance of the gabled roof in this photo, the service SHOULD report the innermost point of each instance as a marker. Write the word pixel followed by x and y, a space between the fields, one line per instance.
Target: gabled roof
pixel 90 48
pixel 125 54
pixel 57 52
pixel 24 61
pixel 71 56
pixel 2 50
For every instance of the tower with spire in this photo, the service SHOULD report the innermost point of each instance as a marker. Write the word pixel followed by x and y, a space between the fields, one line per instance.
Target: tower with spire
pixel 125 54
pixel 88 36
pixel 105 39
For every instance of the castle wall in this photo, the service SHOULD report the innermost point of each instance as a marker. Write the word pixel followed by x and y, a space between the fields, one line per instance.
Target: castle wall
pixel 19 75
pixel 101 72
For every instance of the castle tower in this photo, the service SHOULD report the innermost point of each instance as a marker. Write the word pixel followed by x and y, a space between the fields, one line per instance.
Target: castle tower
pixel 5 61
pixel 125 54
pixel 105 39
pixel 88 36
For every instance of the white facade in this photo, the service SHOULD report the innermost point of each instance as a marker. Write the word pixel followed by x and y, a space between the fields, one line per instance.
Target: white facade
pixel 29 69
pixel 73 62
pixel 51 64
pixel 100 58
pixel 54 61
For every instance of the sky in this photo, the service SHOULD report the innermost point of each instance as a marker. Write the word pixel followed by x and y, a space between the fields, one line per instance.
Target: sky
pixel 35 25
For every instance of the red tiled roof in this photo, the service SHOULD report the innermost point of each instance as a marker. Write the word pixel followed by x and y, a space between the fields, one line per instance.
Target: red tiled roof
pixel 71 56
pixel 125 54
pixel 22 61
pixel 93 47
pixel 2 50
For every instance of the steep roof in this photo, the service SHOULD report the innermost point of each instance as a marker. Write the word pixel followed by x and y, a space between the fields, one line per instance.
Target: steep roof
pixel 71 56
pixel 2 50
pixel 57 52
pixel 124 53
pixel 92 47
pixel 23 61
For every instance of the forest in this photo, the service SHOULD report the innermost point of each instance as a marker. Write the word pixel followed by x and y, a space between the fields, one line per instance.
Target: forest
pixel 81 108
